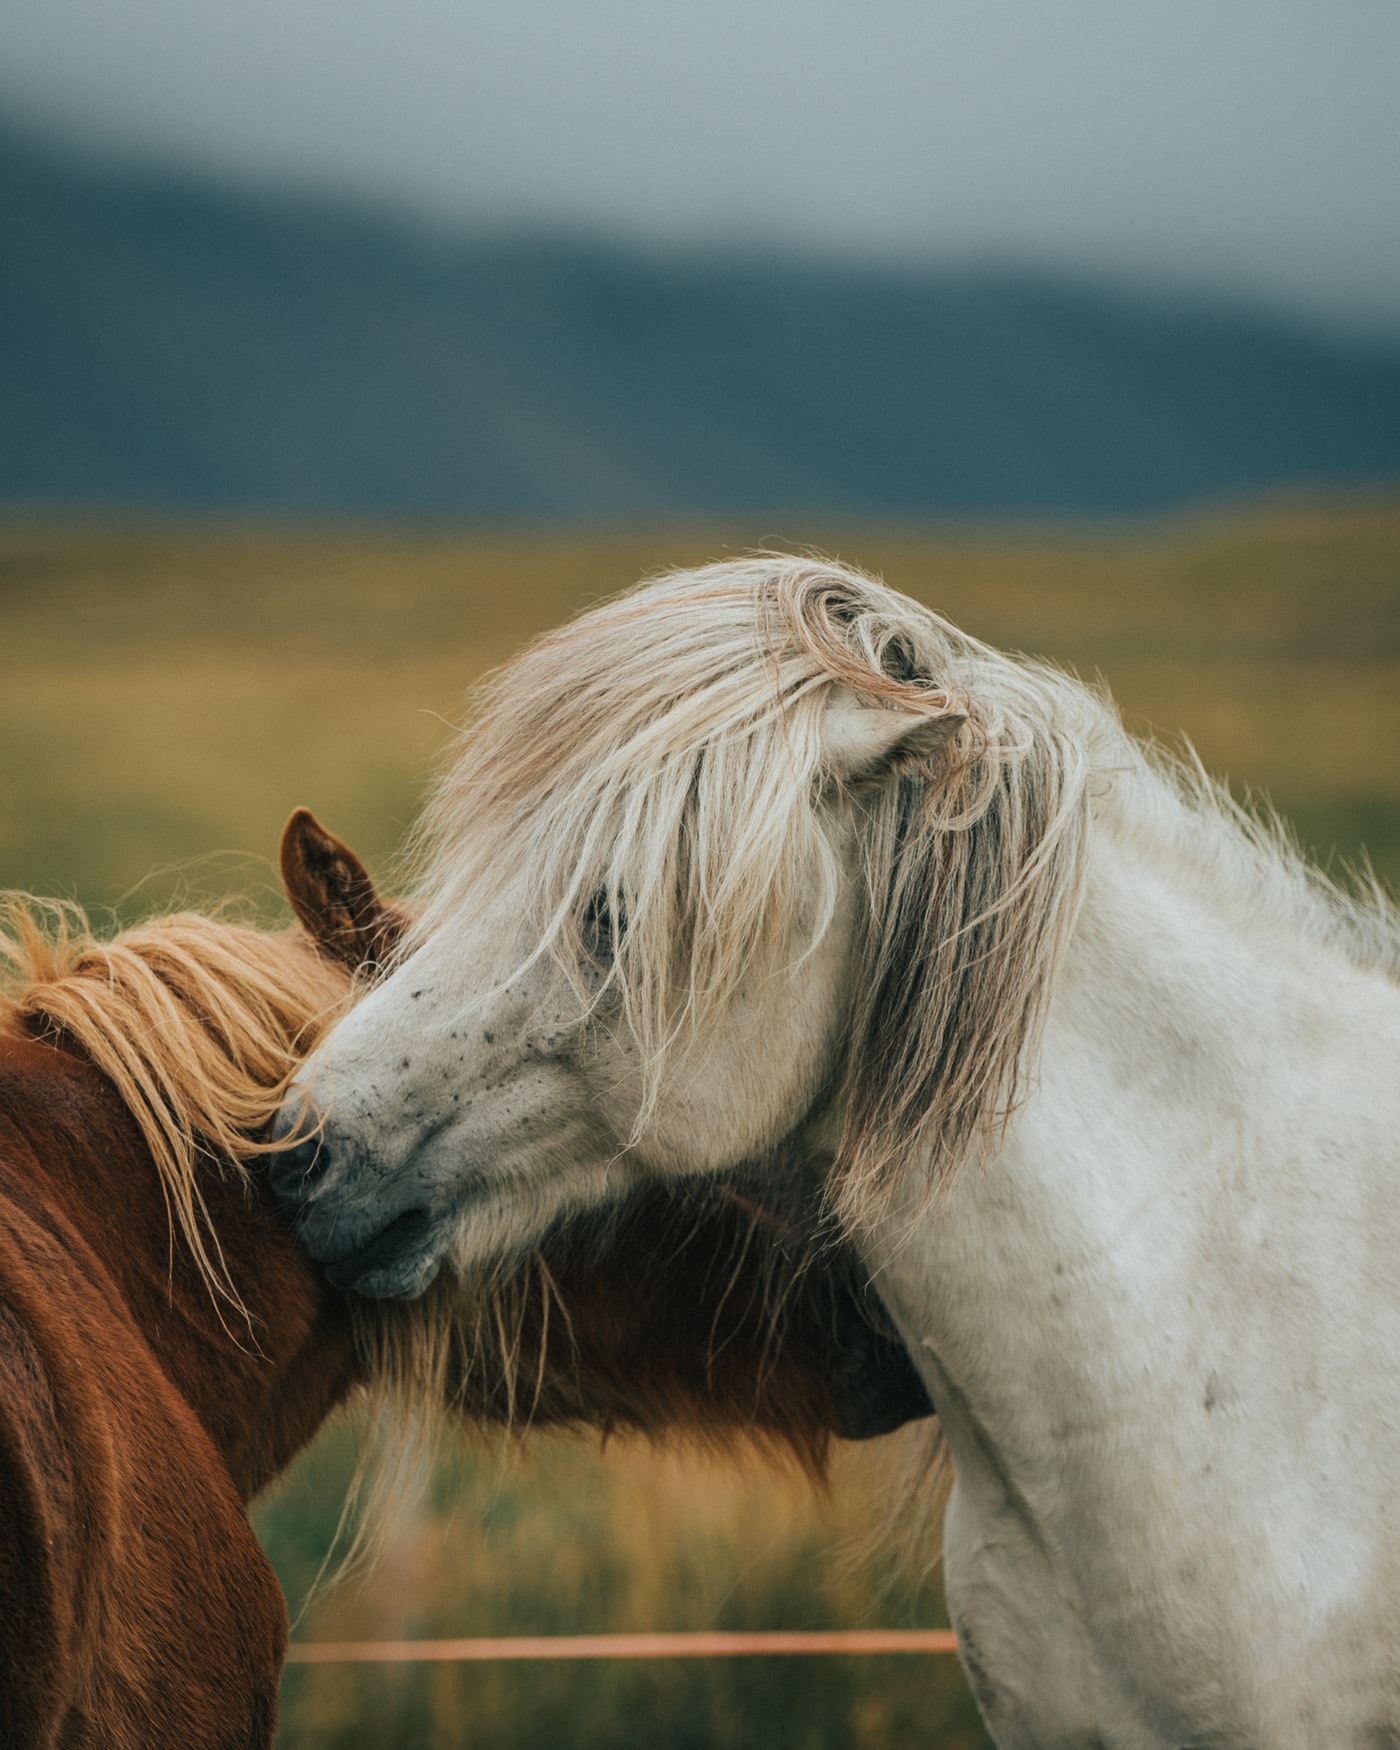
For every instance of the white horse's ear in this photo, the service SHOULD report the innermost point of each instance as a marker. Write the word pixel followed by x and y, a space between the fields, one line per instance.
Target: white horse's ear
pixel 866 743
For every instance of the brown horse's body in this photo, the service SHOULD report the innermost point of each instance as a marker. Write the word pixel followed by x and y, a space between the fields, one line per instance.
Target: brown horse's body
pixel 136 1420
pixel 139 1414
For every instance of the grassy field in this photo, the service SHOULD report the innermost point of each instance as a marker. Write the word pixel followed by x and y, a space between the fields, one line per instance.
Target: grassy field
pixel 168 694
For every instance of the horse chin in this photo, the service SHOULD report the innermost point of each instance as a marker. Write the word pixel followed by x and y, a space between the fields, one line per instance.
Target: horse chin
pixel 405 1280
pixel 397 1263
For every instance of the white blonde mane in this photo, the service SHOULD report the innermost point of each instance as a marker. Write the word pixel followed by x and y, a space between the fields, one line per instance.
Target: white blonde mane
pixel 1244 857
pixel 659 765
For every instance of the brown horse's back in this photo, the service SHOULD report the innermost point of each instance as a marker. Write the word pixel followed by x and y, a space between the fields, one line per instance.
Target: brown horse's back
pixel 136 1608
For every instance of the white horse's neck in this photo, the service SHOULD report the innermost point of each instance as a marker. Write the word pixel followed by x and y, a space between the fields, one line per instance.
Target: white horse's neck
pixel 1150 1324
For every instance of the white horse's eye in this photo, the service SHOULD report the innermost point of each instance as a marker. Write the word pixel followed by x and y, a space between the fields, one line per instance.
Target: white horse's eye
pixel 601 929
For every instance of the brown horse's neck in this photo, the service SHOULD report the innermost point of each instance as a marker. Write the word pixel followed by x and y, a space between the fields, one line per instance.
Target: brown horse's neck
pixel 261 1385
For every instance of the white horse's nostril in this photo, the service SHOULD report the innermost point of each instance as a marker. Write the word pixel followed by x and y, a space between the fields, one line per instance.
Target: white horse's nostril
pixel 294 1172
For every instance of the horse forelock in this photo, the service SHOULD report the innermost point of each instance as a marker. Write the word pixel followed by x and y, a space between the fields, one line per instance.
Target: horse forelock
pixel 199 1023
pixel 662 757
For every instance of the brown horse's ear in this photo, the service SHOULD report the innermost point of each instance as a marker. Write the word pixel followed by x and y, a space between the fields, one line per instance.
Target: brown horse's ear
pixel 334 896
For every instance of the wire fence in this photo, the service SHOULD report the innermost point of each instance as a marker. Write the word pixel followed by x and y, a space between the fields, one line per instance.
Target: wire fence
pixel 703 1645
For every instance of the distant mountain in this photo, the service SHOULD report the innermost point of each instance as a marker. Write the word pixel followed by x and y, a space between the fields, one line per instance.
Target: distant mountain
pixel 169 342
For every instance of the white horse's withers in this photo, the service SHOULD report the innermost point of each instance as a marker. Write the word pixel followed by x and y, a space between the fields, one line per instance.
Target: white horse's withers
pixel 1108 1086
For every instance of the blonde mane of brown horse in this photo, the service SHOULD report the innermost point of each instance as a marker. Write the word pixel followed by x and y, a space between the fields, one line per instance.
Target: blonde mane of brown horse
pixel 203 1094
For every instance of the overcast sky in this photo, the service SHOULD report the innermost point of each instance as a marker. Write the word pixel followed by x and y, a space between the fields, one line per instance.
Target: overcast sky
pixel 1252 145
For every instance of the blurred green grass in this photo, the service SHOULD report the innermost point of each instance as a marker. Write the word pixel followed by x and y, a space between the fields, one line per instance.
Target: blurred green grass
pixel 168 693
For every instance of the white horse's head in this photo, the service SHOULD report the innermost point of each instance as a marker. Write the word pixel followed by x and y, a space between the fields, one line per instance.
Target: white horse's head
pixel 755 852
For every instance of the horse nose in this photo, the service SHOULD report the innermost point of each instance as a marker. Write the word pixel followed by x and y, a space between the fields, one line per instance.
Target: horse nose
pixel 295 1171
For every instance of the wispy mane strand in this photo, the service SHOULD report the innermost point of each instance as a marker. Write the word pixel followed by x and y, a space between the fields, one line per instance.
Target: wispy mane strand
pixel 973 884
pixel 661 762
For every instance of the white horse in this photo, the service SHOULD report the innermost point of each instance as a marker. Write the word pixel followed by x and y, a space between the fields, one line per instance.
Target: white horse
pixel 1106 1084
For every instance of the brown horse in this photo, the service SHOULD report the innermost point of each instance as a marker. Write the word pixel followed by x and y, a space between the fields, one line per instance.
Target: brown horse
pixel 166 1348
